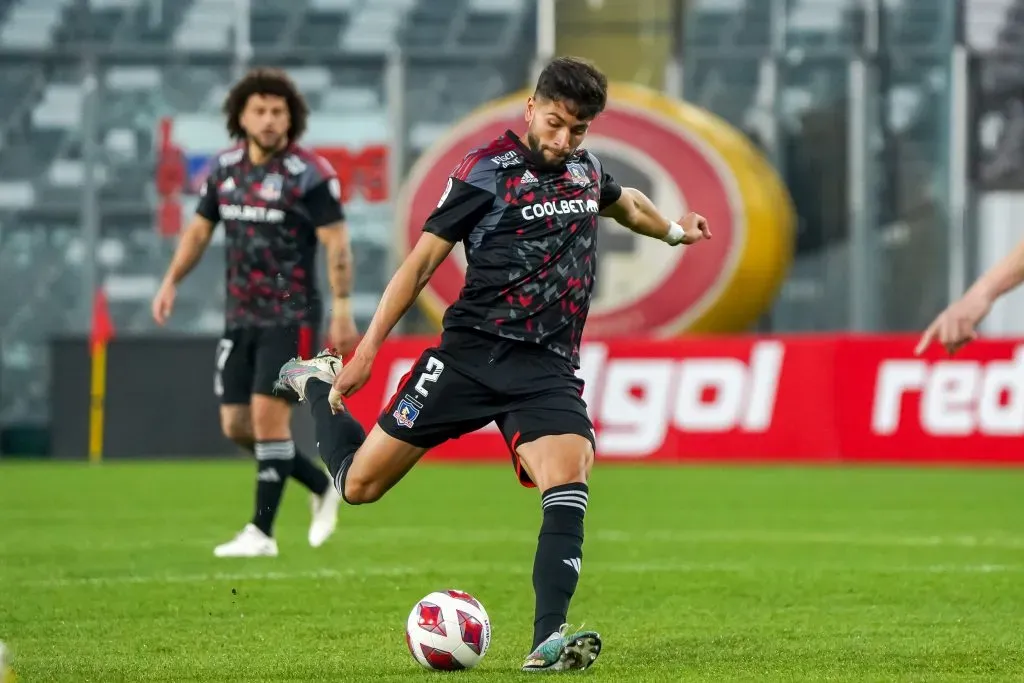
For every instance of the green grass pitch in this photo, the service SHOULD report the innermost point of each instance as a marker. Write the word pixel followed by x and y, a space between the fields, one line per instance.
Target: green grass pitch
pixel 690 573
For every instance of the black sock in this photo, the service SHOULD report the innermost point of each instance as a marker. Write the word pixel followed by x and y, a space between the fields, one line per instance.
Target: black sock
pixel 556 567
pixel 274 461
pixel 338 436
pixel 309 475
pixel 304 471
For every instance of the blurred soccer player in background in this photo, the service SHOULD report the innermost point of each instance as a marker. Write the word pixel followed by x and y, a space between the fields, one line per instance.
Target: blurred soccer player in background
pixel 277 201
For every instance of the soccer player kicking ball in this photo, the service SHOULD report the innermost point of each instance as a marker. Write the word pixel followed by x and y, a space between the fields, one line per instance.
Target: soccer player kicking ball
pixel 526 210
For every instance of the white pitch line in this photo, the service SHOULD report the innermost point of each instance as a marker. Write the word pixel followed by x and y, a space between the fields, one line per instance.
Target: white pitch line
pixel 472 569
pixel 439 535
pixel 313 574
pixel 796 537
pixel 755 536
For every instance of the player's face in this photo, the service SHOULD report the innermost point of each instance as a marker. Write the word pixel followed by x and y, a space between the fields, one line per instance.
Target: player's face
pixel 265 120
pixel 554 132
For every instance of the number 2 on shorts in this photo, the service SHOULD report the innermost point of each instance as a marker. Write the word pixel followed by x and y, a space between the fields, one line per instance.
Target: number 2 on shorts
pixel 433 371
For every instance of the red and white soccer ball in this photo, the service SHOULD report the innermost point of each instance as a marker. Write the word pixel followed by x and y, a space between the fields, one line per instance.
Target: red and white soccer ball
pixel 448 630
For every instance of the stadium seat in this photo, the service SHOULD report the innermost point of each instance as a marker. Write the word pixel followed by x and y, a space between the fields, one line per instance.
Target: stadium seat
pixel 206 25
pixel 32 23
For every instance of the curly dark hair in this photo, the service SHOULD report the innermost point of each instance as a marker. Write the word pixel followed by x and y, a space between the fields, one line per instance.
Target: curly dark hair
pixel 576 83
pixel 265 81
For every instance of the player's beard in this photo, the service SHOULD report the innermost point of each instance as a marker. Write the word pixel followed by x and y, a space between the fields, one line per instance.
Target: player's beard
pixel 538 151
pixel 275 143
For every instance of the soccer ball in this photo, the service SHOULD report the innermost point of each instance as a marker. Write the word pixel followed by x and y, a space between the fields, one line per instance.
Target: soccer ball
pixel 448 630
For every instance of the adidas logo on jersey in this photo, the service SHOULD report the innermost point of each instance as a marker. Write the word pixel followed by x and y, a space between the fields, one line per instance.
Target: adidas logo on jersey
pixel 294 164
pixel 528 179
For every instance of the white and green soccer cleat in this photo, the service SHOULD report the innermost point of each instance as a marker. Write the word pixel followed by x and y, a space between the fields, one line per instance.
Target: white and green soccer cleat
pixel 291 381
pixel 6 672
pixel 561 652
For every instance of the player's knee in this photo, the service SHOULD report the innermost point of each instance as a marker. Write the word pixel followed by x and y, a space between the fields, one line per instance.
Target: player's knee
pixel 559 460
pixel 359 491
pixel 271 418
pixel 570 465
pixel 237 428
pixel 583 461
pixel 575 464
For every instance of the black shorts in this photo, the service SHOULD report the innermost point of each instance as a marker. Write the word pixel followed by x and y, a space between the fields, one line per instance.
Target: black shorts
pixel 472 379
pixel 249 359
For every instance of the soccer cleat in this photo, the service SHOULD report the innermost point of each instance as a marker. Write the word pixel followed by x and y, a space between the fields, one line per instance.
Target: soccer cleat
pixel 6 672
pixel 325 516
pixel 251 542
pixel 295 373
pixel 561 652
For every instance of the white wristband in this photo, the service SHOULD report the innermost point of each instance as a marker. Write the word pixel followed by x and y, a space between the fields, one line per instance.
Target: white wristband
pixel 675 234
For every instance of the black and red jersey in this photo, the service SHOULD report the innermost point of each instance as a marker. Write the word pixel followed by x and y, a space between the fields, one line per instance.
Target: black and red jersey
pixel 530 235
pixel 271 212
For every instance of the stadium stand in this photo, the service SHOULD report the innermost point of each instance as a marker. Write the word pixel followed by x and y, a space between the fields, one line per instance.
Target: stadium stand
pixel 729 41
pixel 173 58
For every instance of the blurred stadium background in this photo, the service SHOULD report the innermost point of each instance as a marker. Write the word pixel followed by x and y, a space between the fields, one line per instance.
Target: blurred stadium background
pixel 864 160
pixel 876 114
pixel 890 123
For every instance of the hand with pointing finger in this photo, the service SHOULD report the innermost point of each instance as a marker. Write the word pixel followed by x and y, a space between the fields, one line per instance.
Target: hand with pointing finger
pixel 955 326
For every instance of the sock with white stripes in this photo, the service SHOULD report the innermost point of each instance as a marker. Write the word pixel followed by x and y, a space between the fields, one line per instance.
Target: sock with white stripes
pixel 275 461
pixel 556 567
pixel 304 471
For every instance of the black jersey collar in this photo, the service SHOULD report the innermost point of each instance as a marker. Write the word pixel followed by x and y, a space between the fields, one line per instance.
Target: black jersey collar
pixel 523 148
pixel 281 153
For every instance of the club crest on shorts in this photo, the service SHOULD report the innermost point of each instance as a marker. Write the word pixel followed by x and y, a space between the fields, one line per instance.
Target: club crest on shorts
pixel 270 188
pixel 406 412
pixel 578 174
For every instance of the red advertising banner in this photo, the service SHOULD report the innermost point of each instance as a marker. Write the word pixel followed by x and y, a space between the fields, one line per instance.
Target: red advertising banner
pixel 796 399
pixel 895 407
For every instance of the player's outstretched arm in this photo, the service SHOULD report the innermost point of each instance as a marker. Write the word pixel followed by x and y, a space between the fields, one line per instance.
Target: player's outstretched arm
pixel 398 297
pixel 955 326
pixel 638 213
pixel 190 249
pixel 405 285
